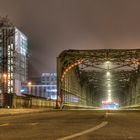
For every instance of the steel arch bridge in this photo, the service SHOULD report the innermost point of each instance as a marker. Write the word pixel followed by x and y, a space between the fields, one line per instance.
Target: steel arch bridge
pixel 87 77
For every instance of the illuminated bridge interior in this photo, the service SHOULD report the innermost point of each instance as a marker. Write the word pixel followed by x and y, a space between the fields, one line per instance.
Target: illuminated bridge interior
pixel 98 78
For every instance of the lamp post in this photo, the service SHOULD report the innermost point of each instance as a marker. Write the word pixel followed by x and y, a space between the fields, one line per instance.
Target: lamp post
pixel 4 78
pixel 29 86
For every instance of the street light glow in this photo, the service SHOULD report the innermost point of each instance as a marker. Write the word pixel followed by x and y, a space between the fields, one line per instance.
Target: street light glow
pixel 108 73
pixel 108 85
pixel 107 62
pixel 108 79
pixel 109 94
pixel 109 90
pixel 29 83
pixel 4 75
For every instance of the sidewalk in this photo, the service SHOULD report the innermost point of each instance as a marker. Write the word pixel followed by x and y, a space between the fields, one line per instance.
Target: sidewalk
pixel 7 112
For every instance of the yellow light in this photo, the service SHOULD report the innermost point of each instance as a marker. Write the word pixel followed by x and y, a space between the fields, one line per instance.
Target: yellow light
pixel 4 76
pixel 72 65
pixel 108 73
pixel 64 73
pixel 109 90
pixel 107 62
pixel 108 84
pixel 69 67
pixel 108 79
pixel 29 83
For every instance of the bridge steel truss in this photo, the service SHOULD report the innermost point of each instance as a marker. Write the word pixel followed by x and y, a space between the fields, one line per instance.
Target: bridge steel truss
pixel 81 76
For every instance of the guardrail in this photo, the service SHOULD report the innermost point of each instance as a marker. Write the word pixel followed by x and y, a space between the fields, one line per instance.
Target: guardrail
pixel 136 106
pixel 70 106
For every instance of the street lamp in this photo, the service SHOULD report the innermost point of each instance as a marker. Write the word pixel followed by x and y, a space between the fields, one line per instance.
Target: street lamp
pixel 29 86
pixel 4 79
pixel 4 76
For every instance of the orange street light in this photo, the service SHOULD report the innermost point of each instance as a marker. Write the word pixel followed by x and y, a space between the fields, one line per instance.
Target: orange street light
pixel 4 76
pixel 29 85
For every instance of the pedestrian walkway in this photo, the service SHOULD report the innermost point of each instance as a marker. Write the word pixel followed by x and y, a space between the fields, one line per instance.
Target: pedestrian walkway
pixel 6 112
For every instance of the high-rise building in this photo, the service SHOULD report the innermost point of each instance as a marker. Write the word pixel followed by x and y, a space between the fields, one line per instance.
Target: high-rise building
pixel 13 62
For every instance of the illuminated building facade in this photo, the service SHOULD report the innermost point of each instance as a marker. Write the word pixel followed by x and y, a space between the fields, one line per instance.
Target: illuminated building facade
pixel 44 87
pixel 49 79
pixel 13 59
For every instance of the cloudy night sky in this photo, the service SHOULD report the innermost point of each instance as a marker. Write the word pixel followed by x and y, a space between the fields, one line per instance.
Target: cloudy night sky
pixel 55 25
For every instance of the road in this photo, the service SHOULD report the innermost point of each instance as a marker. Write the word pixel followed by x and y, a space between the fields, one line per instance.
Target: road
pixel 73 125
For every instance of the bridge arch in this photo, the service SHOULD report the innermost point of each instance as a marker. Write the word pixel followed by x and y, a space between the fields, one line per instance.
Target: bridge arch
pixel 82 81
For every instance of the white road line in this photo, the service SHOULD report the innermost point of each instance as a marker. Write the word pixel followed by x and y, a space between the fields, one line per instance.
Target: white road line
pixel 85 132
pixel 5 124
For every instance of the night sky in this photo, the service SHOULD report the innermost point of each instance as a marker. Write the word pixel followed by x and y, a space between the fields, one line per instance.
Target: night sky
pixel 55 25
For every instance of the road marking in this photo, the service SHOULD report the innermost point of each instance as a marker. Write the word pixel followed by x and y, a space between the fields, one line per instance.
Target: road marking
pixel 85 132
pixel 5 124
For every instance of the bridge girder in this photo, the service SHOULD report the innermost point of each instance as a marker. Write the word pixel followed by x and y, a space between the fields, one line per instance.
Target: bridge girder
pixel 92 69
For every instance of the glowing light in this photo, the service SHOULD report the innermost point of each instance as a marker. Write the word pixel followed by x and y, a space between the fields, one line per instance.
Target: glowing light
pixel 108 73
pixel 72 65
pixel 107 62
pixel 64 73
pixel 109 100
pixel 69 68
pixel 109 90
pixel 108 79
pixel 108 85
pixel 29 83
pixel 4 76
pixel 109 94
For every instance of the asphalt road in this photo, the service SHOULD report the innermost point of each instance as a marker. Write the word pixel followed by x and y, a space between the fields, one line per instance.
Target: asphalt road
pixel 73 125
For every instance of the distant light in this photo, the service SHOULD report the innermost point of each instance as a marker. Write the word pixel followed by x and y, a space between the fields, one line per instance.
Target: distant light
pixel 29 83
pixel 22 90
pixel 4 75
pixel 108 85
pixel 109 90
pixel 109 100
pixel 107 62
pixel 109 94
pixel 108 79
pixel 108 73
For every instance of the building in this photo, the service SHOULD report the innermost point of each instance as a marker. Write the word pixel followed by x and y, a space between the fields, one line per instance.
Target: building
pixel 45 91
pixel 13 59
pixel 46 88
pixel 48 78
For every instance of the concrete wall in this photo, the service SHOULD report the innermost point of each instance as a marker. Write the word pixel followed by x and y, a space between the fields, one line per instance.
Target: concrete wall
pixel 33 102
